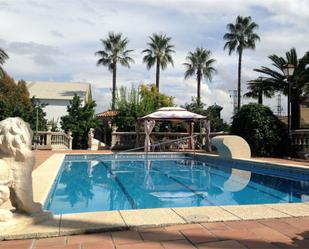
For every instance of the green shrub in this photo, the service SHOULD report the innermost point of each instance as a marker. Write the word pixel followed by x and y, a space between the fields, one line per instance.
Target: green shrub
pixel 264 132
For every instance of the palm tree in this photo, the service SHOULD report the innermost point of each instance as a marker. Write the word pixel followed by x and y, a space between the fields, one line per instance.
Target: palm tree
pixel 199 64
pixel 159 53
pixel 3 57
pixel 259 88
pixel 240 36
pixel 299 80
pixel 114 51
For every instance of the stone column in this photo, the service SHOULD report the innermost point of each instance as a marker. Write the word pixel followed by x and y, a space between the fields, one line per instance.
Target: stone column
pixel 48 137
pixel 70 139
pixel 114 135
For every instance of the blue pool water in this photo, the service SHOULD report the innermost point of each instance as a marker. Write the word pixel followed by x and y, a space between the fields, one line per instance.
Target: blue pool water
pixel 92 183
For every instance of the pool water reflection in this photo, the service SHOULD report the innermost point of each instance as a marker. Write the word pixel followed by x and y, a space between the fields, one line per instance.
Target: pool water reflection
pixel 88 186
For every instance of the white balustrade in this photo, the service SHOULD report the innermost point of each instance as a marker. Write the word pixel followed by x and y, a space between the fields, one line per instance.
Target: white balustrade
pixel 52 140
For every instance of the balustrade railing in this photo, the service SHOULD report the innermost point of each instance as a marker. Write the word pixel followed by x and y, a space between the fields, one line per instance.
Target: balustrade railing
pixel 50 140
pixel 127 140
pixel 300 141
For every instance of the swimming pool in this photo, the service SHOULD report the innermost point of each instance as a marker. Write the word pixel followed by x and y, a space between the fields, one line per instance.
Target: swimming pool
pixel 89 183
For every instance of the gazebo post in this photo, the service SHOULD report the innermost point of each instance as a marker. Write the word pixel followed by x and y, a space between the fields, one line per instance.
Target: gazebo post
pixel 189 130
pixel 137 130
pixel 192 145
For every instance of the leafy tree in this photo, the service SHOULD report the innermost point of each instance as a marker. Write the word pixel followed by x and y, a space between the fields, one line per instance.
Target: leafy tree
pixel 264 132
pixel 138 103
pixel 79 120
pixel 300 80
pixel 37 114
pixel 3 58
pixel 212 113
pixel 15 102
pixel 114 51
pixel 241 36
pixel 259 88
pixel 199 64
pixel 160 53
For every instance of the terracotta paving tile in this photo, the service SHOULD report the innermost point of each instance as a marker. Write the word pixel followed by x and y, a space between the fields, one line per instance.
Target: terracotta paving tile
pixel 162 236
pixel 257 244
pixel 98 245
pixel 126 237
pixel 245 224
pixel 298 222
pixel 152 229
pixel 198 235
pixel 284 228
pixel 227 244
pixel 145 245
pixel 76 239
pixel 181 227
pixel 235 234
pixel 221 226
pixel 271 235
pixel 12 243
pixel 5 245
pixel 76 246
pixel 58 241
pixel 178 244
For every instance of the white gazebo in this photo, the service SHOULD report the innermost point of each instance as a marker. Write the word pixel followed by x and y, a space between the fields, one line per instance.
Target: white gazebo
pixel 173 114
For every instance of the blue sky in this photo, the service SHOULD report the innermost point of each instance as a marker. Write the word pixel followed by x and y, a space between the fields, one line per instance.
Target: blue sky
pixel 56 40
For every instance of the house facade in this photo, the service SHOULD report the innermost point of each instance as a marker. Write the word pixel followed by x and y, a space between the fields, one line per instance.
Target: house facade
pixel 57 96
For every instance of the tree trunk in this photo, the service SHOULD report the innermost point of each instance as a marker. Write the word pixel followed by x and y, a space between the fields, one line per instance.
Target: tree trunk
pixel 295 113
pixel 158 75
pixel 114 85
pixel 239 80
pixel 260 98
pixel 198 76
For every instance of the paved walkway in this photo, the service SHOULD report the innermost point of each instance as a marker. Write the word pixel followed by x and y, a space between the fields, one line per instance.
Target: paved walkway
pixel 271 233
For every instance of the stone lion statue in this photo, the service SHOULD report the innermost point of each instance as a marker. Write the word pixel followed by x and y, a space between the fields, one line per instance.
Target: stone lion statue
pixel 16 165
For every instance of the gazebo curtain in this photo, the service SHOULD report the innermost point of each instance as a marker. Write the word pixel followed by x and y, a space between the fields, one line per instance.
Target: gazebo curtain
pixel 148 126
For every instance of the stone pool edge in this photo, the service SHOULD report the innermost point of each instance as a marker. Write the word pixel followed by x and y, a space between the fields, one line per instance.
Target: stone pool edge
pixel 78 223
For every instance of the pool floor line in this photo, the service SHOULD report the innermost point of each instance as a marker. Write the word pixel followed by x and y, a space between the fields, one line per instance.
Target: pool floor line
pixel 185 186
pixel 123 189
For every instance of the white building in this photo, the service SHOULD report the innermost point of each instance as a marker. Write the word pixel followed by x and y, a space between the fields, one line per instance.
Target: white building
pixel 57 96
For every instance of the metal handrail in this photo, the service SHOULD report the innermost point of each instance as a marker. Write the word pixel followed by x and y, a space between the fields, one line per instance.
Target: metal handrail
pixel 156 144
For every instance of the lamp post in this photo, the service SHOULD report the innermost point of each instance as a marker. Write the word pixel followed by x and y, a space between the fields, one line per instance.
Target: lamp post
pixel 37 124
pixel 288 71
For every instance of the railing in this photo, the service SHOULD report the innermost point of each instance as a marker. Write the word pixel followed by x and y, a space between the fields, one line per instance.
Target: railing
pixel 127 140
pixel 300 141
pixel 49 140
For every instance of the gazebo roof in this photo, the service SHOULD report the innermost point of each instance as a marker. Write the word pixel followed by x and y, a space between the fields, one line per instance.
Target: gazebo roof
pixel 173 113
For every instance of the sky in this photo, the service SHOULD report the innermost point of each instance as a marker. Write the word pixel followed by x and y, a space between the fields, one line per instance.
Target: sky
pixel 56 41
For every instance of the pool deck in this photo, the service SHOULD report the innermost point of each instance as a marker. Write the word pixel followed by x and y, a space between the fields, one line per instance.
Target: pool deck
pixel 250 226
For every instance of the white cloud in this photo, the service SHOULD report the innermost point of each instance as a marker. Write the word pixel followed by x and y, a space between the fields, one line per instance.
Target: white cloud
pixel 57 40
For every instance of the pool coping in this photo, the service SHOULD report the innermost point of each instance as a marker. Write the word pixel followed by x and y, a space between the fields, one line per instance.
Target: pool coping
pixel 68 224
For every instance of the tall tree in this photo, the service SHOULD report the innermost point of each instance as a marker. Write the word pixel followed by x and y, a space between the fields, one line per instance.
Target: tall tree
pixel 79 120
pixel 259 88
pixel 240 36
pixel 137 103
pixel 3 58
pixel 15 102
pixel 299 80
pixel 160 53
pixel 199 64
pixel 114 51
